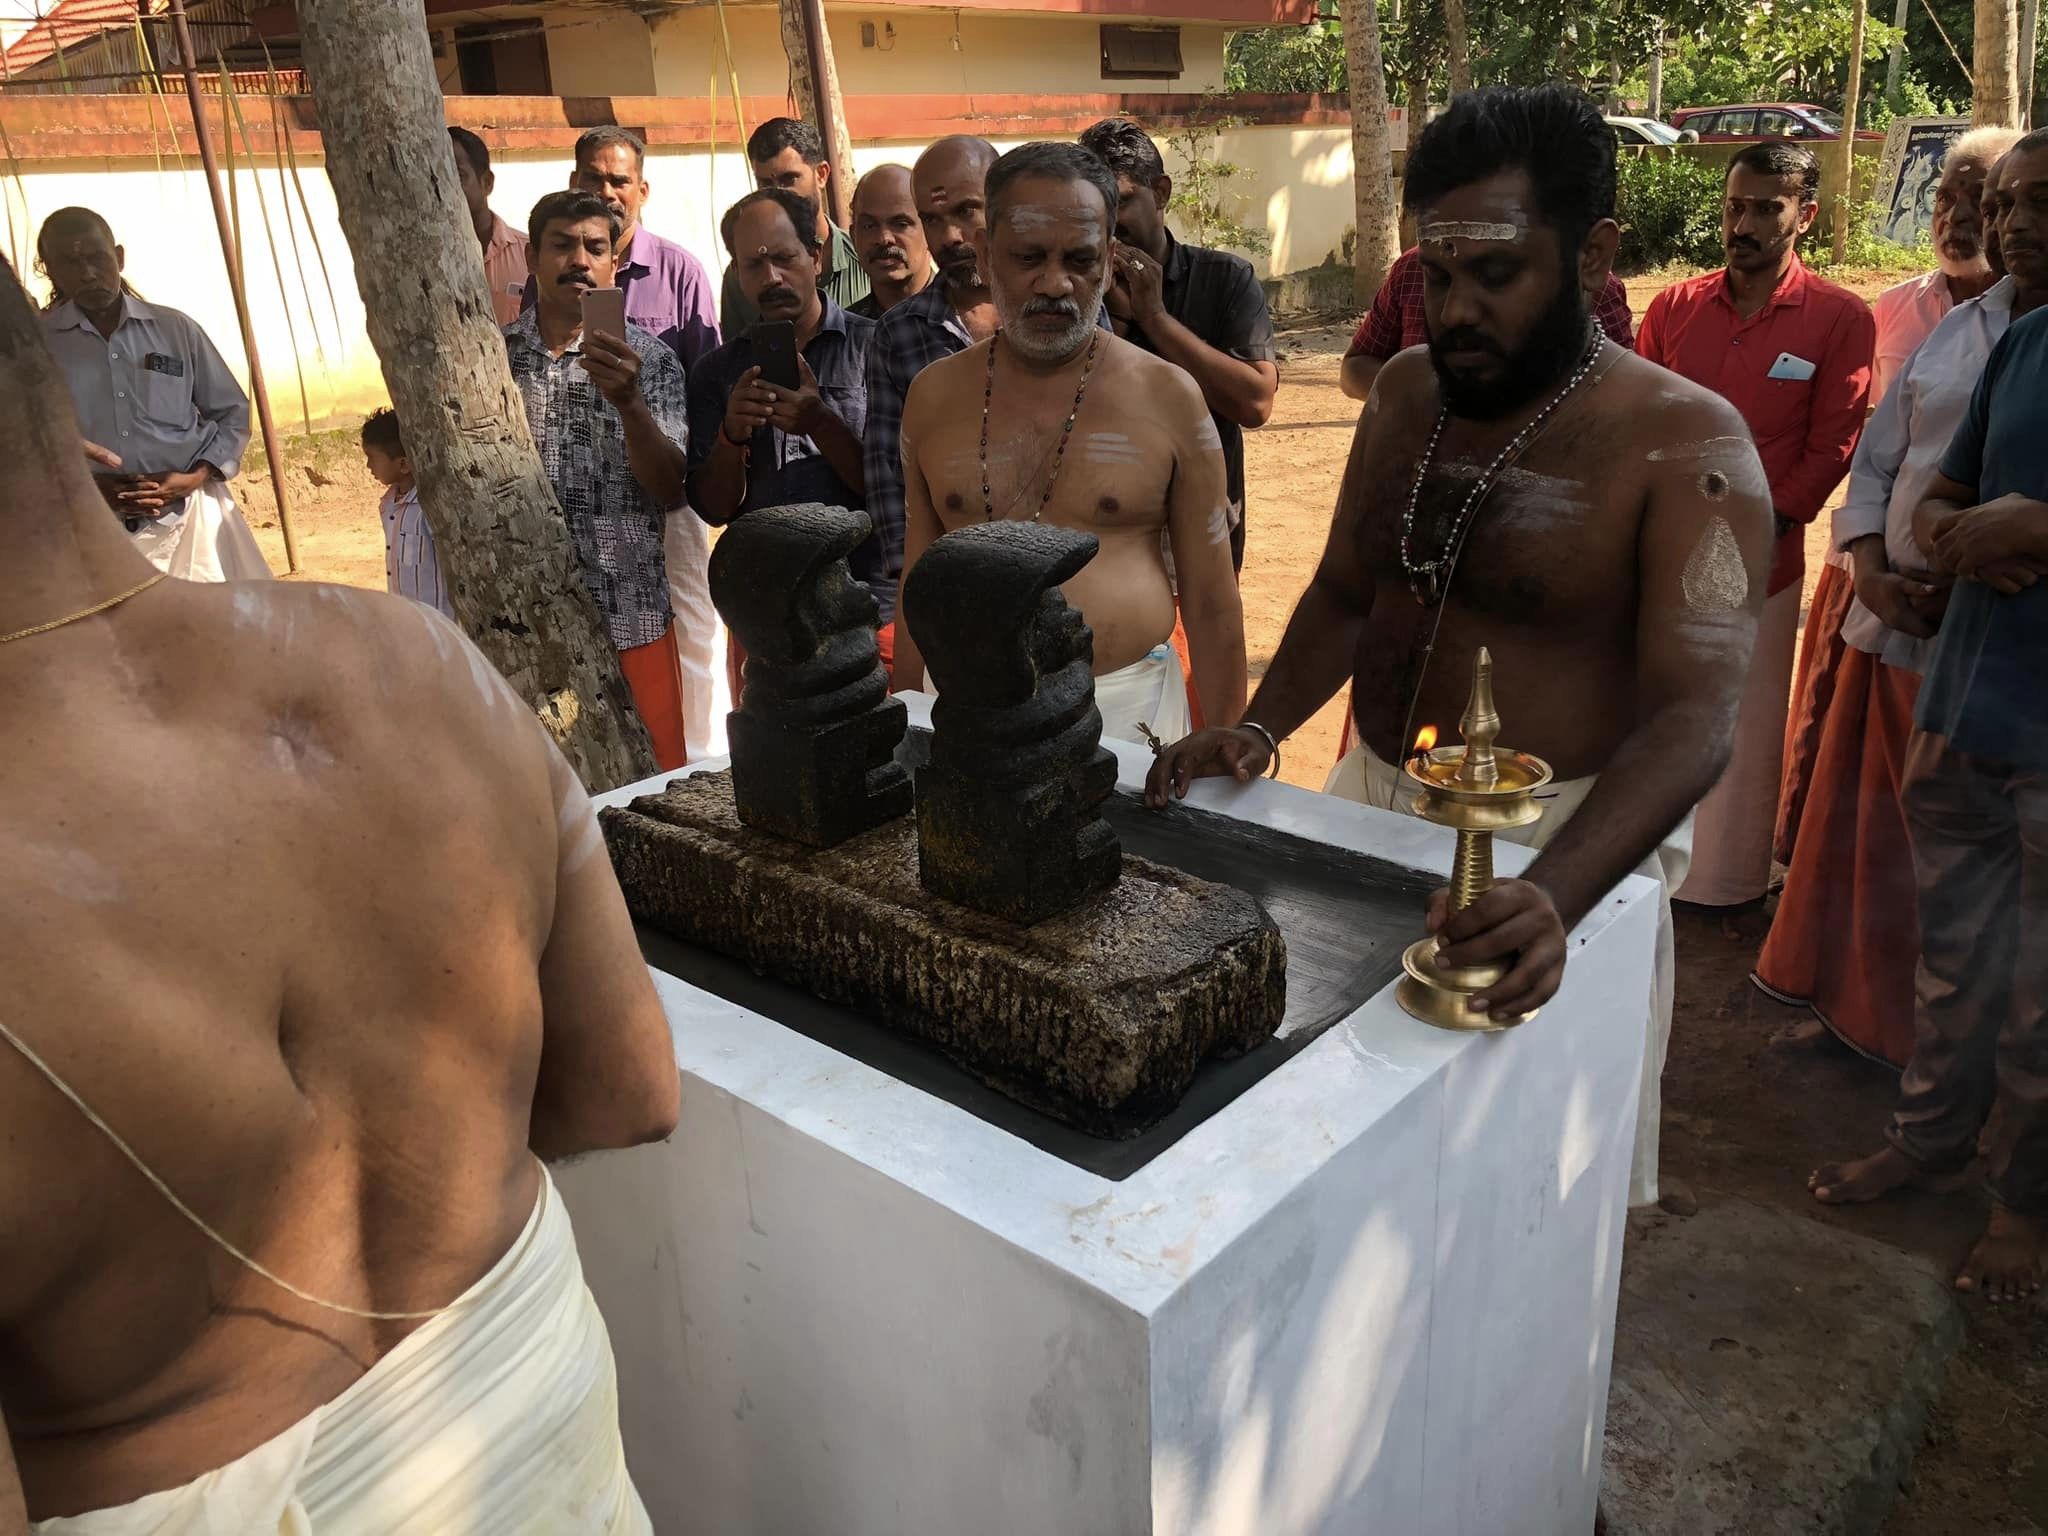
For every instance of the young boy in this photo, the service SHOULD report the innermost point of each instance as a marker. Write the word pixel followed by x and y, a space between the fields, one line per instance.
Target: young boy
pixel 410 568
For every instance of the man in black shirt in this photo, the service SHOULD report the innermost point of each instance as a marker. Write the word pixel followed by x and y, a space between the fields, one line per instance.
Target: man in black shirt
pixel 1199 308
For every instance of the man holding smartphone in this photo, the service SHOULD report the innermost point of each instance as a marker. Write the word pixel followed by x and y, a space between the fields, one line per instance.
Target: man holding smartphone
pixel 605 402
pixel 776 414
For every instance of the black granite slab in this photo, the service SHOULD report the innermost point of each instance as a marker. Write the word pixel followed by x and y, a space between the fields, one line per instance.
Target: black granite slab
pixel 1346 918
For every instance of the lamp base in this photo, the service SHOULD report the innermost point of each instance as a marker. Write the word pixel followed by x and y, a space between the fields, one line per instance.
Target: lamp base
pixel 1442 995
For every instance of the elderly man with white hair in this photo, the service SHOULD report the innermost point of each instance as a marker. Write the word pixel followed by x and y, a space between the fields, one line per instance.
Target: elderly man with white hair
pixel 1906 314
pixel 1845 941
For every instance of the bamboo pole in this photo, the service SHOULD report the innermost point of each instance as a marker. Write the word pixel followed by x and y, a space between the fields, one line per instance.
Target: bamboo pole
pixel 232 256
pixel 817 90
pixel 831 113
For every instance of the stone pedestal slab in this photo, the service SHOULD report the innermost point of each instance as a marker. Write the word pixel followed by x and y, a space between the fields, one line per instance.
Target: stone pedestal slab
pixel 1373 1293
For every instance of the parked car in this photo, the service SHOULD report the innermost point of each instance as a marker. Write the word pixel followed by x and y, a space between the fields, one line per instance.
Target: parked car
pixel 1765 120
pixel 1641 132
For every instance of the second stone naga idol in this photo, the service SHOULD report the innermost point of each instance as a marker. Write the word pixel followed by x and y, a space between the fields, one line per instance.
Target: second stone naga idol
pixel 1009 809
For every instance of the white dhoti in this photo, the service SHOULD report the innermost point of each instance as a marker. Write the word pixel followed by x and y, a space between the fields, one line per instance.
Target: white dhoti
pixel 1736 822
pixel 1369 780
pixel 207 541
pixel 1150 692
pixel 497 1418
pixel 686 548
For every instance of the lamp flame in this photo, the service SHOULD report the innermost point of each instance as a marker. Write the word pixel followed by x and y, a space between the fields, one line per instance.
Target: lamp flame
pixel 1425 739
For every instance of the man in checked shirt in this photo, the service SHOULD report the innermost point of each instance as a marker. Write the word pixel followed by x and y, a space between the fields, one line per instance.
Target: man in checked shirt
pixel 610 418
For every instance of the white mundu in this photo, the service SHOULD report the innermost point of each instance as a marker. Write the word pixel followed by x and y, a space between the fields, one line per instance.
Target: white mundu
pixel 498 1416
pixel 1150 692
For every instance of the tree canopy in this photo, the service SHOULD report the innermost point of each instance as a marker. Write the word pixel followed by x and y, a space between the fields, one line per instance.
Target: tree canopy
pixel 1794 50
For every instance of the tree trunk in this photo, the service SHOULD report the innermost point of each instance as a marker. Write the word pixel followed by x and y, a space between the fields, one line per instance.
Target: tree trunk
pixel 1414 118
pixel 1460 47
pixel 1850 101
pixel 1654 108
pixel 814 82
pixel 2030 21
pixel 1996 65
pixel 503 545
pixel 1371 151
pixel 1898 57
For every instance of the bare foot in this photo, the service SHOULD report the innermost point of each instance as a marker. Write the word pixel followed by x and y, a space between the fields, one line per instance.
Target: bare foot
pixel 1677 1199
pixel 1875 1176
pixel 2006 1263
pixel 1807 1031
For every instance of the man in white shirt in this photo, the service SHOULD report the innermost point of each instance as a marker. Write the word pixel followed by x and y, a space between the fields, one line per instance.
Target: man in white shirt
pixel 1899 607
pixel 149 386
pixel 1905 313
pixel 1845 940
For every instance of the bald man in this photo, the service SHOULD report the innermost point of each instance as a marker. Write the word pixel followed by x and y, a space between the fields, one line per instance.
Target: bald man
pixel 890 241
pixel 948 316
pixel 275 1073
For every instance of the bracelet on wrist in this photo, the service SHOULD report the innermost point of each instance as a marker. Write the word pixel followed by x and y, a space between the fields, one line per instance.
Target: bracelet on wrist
pixel 1272 745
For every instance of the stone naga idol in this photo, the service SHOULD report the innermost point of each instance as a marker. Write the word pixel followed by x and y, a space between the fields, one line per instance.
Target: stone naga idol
pixel 815 735
pixel 1009 808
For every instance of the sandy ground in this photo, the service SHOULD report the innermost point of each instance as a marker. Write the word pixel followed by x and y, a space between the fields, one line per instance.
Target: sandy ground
pixel 1748 1112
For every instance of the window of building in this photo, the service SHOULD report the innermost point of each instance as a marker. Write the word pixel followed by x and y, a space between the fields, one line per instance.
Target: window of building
pixel 503 59
pixel 1141 53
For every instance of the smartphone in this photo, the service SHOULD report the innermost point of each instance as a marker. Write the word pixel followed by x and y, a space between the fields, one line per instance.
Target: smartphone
pixel 604 312
pixel 775 353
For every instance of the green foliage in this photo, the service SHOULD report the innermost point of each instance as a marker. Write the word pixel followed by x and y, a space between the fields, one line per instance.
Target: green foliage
pixel 1867 250
pixel 1793 52
pixel 1286 59
pixel 1669 209
pixel 1203 199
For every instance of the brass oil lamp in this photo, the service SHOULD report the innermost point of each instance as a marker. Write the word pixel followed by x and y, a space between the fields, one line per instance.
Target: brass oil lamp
pixel 1477 789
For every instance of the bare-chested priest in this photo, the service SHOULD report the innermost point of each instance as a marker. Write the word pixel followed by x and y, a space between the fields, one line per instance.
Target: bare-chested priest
pixel 1522 483
pixel 275 1068
pixel 1054 419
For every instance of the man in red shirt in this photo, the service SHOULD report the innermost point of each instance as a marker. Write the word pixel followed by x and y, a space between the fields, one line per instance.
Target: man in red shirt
pixel 1792 354
pixel 1395 322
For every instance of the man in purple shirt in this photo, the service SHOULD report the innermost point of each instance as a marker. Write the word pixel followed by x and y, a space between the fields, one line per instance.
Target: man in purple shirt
pixel 669 293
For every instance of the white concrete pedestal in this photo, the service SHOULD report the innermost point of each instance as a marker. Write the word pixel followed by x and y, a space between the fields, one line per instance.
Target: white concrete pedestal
pixel 1374 1294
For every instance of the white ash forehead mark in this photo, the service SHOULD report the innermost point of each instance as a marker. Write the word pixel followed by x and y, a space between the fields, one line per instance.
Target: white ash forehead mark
pixel 1470 229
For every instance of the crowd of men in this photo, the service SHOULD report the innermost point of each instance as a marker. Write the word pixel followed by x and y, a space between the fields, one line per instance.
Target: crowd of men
pixel 1615 511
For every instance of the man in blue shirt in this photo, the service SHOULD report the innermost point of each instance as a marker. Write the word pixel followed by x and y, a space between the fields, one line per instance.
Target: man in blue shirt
pixel 754 444
pixel 1975 793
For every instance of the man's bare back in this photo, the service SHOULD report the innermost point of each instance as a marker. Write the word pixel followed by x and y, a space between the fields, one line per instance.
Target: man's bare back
pixel 1551 576
pixel 1143 459
pixel 303 903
